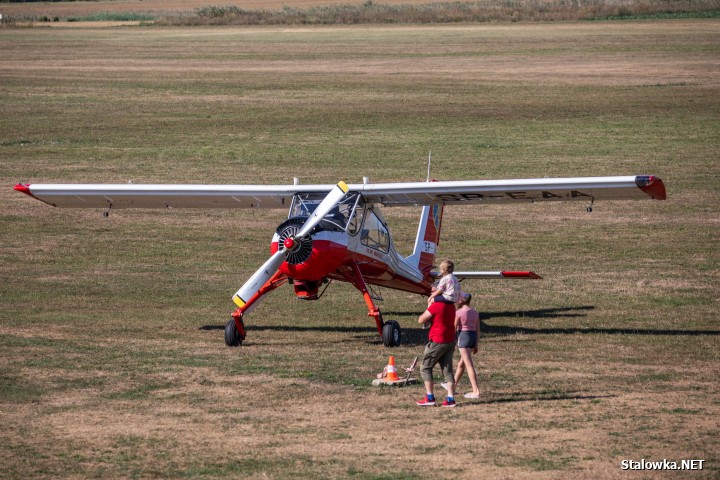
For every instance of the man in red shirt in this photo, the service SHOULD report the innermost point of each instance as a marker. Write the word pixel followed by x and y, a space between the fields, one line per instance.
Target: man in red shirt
pixel 440 349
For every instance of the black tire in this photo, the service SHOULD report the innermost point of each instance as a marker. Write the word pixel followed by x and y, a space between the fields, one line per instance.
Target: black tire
pixel 232 336
pixel 391 334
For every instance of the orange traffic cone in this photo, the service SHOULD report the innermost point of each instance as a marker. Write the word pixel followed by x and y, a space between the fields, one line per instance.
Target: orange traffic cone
pixel 391 373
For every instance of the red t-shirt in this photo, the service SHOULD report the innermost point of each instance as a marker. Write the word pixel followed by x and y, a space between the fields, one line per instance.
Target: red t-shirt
pixel 443 322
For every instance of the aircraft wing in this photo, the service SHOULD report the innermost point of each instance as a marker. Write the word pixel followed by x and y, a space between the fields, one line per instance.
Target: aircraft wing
pixel 413 193
pixel 513 191
pixel 166 196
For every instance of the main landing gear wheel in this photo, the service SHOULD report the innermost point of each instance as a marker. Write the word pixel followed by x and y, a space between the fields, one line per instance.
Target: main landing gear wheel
pixel 391 334
pixel 232 336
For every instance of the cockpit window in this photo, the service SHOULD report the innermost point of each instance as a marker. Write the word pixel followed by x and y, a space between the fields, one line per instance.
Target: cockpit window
pixel 375 233
pixel 304 204
pixel 356 220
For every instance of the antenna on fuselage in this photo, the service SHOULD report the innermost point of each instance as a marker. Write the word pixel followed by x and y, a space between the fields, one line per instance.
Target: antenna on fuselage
pixel 429 160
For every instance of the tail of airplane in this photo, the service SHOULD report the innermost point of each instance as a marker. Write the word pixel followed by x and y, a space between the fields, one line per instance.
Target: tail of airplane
pixel 427 239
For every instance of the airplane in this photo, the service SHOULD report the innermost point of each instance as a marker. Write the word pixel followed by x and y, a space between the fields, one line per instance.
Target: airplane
pixel 337 232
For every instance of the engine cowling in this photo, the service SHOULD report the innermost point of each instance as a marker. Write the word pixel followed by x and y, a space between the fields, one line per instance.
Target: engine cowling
pixel 302 249
pixel 313 257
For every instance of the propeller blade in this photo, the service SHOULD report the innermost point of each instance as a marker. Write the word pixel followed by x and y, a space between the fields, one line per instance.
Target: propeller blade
pixel 268 269
pixel 259 278
pixel 328 203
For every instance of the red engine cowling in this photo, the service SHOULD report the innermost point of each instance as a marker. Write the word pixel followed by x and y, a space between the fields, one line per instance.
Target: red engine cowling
pixel 313 257
pixel 325 257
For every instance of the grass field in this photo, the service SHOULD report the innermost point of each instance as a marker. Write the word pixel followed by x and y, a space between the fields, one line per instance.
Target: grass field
pixel 161 8
pixel 350 12
pixel 113 362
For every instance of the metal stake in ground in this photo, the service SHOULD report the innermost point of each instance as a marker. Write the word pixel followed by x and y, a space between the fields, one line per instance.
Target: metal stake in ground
pixel 410 371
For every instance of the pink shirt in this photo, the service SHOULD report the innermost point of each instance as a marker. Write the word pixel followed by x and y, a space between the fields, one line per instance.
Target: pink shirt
pixel 469 319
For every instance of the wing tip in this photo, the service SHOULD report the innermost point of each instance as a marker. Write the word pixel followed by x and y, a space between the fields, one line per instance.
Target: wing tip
pixel 24 188
pixel 651 185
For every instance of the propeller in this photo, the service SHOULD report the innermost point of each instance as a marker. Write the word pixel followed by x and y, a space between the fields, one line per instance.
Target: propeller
pixel 268 269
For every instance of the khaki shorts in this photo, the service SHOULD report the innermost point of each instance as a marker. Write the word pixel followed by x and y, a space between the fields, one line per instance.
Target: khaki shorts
pixel 441 353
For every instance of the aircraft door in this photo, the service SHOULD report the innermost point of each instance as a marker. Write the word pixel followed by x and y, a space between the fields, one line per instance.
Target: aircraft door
pixel 374 233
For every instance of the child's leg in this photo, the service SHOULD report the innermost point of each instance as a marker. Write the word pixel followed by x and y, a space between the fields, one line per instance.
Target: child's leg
pixel 460 369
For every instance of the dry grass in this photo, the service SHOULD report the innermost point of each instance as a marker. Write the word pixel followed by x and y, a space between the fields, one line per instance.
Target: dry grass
pixel 86 8
pixel 113 362
pixel 308 12
pixel 159 8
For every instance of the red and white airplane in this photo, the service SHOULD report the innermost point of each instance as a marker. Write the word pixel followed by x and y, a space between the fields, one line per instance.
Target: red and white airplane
pixel 336 232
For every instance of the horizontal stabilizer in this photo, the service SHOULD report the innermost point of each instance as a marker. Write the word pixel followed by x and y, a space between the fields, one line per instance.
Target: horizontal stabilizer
pixel 497 275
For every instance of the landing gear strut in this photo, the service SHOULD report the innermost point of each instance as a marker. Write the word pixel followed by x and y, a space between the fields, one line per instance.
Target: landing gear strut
pixel 390 330
pixel 235 328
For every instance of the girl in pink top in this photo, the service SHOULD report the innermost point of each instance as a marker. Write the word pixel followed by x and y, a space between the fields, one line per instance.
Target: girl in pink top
pixel 467 324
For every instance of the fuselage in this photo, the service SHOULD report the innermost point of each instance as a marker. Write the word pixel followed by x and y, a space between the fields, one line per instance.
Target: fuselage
pixel 354 234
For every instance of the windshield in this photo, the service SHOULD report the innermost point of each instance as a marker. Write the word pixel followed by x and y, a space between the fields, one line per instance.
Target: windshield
pixel 305 203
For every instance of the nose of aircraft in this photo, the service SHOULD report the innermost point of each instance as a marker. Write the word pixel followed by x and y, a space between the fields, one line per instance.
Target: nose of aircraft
pixel 251 288
pixel 289 243
pixel 298 249
pixel 313 257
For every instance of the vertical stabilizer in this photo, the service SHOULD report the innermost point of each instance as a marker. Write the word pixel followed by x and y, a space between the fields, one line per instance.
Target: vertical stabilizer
pixel 427 239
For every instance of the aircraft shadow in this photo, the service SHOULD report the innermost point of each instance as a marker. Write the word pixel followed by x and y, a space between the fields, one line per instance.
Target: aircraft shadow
pixel 544 313
pixel 296 328
pixel 559 312
pixel 572 312
pixel 504 330
pixel 531 397
pixel 418 336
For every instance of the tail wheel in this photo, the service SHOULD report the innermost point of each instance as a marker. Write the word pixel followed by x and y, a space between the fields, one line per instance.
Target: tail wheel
pixel 391 334
pixel 233 338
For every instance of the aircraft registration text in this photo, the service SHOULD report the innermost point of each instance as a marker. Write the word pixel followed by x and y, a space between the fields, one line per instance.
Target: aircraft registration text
pixel 545 195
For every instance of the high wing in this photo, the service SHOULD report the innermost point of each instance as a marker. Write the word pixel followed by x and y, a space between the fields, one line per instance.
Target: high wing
pixel 413 193
pixel 521 190
pixel 167 196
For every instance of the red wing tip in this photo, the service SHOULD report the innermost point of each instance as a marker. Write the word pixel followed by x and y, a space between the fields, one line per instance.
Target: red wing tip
pixel 529 275
pixel 24 188
pixel 652 185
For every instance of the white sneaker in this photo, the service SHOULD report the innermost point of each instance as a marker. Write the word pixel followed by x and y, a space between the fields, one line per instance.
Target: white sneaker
pixel 472 395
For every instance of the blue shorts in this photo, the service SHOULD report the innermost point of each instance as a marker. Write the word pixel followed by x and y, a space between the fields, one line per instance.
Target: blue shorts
pixel 466 339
